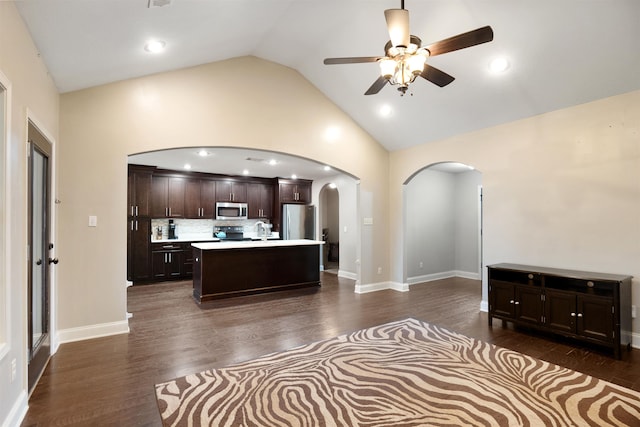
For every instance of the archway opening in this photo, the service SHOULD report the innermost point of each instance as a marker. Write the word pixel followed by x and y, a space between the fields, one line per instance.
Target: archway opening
pixel 443 227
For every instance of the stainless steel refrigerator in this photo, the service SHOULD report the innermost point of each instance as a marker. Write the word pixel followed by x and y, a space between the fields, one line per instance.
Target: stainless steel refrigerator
pixel 298 222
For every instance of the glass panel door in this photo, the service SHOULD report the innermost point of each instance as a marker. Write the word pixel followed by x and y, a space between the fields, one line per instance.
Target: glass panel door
pixel 39 247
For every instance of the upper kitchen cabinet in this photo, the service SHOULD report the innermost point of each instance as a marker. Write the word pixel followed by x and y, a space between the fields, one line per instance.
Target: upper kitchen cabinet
pixel 139 190
pixel 167 196
pixel 200 198
pixel 231 191
pixel 260 200
pixel 294 191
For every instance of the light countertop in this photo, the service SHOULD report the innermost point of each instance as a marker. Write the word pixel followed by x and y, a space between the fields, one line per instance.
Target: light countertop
pixel 255 244
pixel 186 239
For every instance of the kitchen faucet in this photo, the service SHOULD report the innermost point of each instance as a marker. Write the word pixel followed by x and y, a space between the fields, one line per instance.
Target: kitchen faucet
pixel 261 226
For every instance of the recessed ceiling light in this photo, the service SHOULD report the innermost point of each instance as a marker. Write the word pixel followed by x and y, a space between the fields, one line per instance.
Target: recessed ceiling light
pixel 499 65
pixel 332 133
pixel 332 185
pixel 294 176
pixel 273 162
pixel 385 110
pixel 187 166
pixel 154 46
pixel 203 153
pixel 327 168
pixel 245 172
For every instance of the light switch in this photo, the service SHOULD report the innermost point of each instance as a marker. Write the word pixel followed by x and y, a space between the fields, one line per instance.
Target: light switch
pixel 367 221
pixel 93 221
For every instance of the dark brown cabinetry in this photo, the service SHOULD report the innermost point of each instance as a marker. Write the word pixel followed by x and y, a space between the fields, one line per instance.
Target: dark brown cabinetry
pixel 231 191
pixel 200 198
pixel 295 191
pixel 171 261
pixel 139 191
pixel 167 196
pixel 260 200
pixel 138 222
pixel 138 245
pixel 592 307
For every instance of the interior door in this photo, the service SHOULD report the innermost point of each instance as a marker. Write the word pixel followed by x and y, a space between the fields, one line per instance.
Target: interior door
pixel 39 253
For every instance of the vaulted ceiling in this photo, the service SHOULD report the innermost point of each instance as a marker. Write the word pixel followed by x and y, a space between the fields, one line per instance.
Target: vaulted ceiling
pixel 561 53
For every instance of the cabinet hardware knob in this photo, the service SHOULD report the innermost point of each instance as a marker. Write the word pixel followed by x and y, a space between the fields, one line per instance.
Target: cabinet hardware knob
pixel 573 315
pixel 53 260
pixel 530 276
pixel 579 314
pixel 517 303
pixel 590 284
pixel 39 262
pixel 511 302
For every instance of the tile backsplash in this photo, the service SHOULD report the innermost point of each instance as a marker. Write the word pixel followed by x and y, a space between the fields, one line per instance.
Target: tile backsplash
pixel 195 228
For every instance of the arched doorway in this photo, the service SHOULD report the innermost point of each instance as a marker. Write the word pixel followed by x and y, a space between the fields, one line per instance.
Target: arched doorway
pixel 443 227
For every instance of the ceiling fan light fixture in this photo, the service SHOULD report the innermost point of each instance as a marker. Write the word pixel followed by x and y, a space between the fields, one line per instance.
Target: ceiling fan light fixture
pixel 388 68
pixel 403 76
pixel 398 26
pixel 415 63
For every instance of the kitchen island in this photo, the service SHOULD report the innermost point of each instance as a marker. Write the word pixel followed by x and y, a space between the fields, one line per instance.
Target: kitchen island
pixel 228 269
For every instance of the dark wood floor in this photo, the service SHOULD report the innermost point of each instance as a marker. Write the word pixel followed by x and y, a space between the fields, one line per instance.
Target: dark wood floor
pixel 109 381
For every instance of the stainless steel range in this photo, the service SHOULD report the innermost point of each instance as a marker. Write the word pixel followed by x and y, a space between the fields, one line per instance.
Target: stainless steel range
pixel 230 232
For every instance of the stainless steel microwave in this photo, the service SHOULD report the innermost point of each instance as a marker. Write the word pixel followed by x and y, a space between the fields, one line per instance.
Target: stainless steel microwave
pixel 226 210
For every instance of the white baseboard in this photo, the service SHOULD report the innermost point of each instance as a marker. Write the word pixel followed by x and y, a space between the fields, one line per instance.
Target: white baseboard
pixel 381 286
pixel 93 331
pixel 371 287
pixel 484 306
pixel 468 275
pixel 443 275
pixel 430 277
pixel 347 275
pixel 18 411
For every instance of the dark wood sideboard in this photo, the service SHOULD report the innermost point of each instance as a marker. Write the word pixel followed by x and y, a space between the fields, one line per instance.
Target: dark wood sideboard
pixel 587 306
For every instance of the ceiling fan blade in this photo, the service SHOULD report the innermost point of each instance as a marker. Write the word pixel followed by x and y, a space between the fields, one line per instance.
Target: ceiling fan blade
pixel 435 76
pixel 461 41
pixel 376 86
pixel 351 60
pixel 398 26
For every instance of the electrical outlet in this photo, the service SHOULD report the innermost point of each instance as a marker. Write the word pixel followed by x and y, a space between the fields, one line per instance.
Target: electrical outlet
pixel 13 370
pixel 420 264
pixel 379 270
pixel 633 311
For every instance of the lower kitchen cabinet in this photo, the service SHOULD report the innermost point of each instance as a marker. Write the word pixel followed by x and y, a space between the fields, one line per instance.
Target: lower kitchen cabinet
pixel 171 261
pixel 592 307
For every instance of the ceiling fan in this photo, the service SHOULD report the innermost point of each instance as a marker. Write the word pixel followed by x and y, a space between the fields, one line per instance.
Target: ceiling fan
pixel 405 58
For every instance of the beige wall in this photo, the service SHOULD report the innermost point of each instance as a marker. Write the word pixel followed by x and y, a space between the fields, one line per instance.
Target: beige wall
pixel 560 190
pixel 243 102
pixel 33 93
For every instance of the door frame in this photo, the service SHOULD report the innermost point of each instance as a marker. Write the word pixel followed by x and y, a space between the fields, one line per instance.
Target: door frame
pixel 54 343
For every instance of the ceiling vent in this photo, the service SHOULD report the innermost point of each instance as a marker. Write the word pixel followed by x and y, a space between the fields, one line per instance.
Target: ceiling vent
pixel 159 3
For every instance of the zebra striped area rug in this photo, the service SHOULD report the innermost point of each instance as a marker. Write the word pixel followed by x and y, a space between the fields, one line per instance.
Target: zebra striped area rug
pixel 405 373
